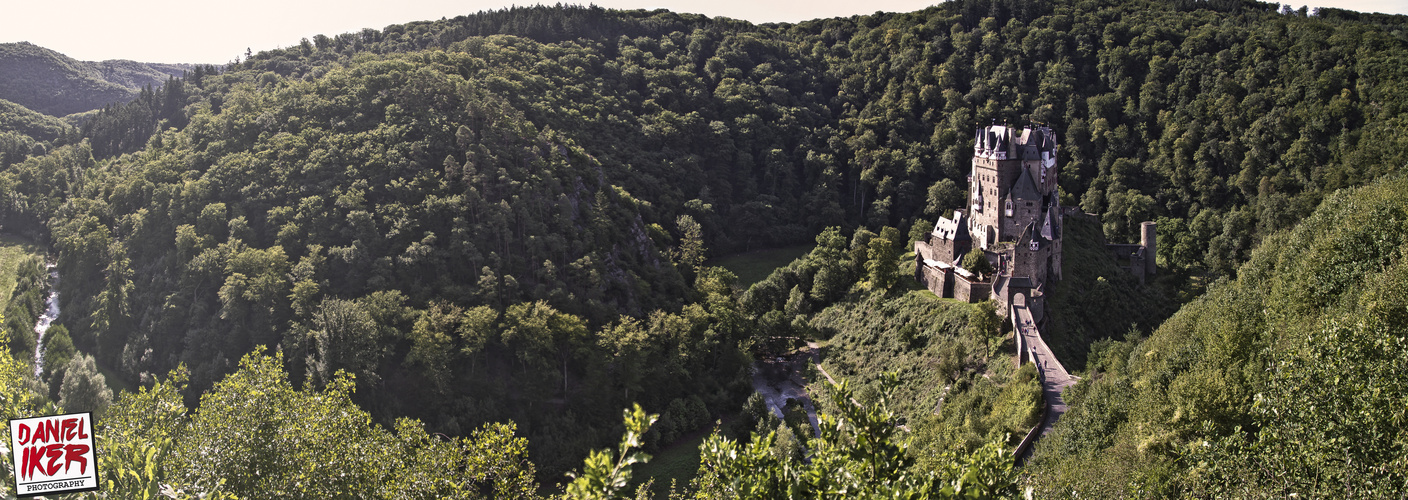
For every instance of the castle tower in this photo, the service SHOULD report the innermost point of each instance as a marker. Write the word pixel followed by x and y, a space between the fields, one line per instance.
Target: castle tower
pixel 1012 182
pixel 1148 238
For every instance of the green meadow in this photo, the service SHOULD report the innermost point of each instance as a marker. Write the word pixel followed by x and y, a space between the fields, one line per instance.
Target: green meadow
pixel 13 251
pixel 752 267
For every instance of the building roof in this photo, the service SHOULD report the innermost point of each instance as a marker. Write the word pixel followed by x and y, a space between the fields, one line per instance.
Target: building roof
pixel 940 265
pixel 996 141
pixel 952 229
pixel 1049 229
pixel 1030 233
pixel 1025 188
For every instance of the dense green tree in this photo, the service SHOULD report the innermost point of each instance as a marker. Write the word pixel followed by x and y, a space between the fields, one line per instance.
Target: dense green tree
pixel 260 436
pixel 858 455
pixel 600 478
pixel 84 389
pixel 58 352
pixel 976 261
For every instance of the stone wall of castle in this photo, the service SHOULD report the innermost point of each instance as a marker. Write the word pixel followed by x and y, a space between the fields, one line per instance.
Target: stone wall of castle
pixel 1023 212
pixel 1034 264
pixel 939 249
pixel 970 291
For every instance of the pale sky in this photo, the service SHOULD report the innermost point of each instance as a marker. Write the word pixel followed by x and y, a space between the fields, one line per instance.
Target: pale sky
pixel 204 31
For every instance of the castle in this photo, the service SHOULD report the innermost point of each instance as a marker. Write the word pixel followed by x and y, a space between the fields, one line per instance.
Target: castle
pixel 1012 225
pixel 1014 216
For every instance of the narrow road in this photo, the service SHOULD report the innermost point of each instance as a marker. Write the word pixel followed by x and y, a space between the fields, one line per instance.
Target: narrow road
pixel 1054 377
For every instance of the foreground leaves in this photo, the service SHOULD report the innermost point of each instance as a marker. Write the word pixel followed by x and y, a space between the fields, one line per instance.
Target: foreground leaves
pixel 859 454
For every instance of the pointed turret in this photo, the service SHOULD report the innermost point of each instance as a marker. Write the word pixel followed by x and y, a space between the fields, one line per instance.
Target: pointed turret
pixel 1025 188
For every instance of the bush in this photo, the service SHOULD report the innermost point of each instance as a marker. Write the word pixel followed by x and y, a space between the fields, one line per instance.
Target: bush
pixel 84 389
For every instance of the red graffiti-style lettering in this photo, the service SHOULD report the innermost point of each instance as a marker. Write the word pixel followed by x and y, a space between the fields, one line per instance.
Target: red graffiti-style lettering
pixel 31 455
pixel 68 426
pixel 51 431
pixel 25 434
pixel 34 459
pixel 54 452
pixel 74 453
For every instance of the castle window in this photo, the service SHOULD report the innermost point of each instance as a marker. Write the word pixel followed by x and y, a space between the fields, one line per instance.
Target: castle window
pixel 1009 208
pixel 1035 246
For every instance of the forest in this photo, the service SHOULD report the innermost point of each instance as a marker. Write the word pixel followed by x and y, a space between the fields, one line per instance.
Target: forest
pixel 472 242
pixel 48 82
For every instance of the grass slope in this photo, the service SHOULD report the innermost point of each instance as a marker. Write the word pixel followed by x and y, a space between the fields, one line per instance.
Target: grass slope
pixel 13 251
pixel 678 462
pixel 752 267
pixel 958 386
pixel 921 337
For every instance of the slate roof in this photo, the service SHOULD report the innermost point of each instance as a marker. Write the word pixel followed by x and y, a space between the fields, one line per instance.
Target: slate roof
pixel 952 229
pixel 1025 188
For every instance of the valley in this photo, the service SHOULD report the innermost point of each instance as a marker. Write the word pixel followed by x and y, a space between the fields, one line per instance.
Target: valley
pixel 438 259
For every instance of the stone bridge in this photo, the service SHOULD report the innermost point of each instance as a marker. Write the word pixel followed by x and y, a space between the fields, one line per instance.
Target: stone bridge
pixel 1054 377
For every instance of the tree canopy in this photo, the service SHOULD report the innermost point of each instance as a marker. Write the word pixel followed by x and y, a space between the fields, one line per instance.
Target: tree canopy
pixel 505 216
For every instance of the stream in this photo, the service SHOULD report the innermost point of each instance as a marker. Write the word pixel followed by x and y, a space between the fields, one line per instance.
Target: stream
pixel 51 311
pixel 779 379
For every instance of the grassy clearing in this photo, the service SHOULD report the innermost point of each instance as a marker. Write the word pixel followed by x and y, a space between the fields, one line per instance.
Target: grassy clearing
pixel 13 251
pixel 115 382
pixel 679 461
pixel 958 389
pixel 754 266
pixel 923 338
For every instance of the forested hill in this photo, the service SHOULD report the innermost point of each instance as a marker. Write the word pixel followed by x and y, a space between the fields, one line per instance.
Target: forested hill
pixel 21 129
pixel 57 85
pixel 501 216
pixel 1286 381
pixel 1177 110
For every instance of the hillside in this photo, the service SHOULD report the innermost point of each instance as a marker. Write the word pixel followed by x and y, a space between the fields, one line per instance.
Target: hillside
pixel 398 221
pixel 38 126
pixel 1285 381
pixel 24 132
pixel 1096 300
pixel 958 388
pixel 503 216
pixel 57 85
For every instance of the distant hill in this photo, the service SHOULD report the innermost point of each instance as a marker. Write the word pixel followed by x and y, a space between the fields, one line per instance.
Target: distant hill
pixel 14 117
pixel 55 84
